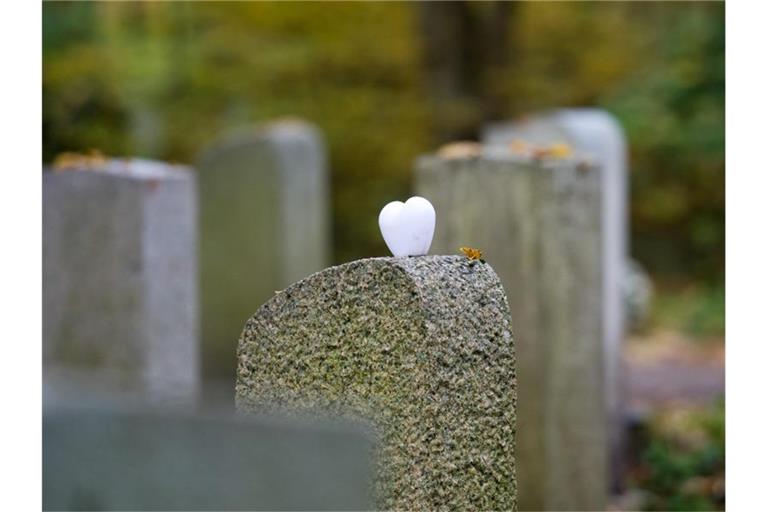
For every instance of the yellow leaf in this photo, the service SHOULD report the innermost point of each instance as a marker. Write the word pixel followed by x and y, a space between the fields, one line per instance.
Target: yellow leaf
pixel 461 149
pixel 471 253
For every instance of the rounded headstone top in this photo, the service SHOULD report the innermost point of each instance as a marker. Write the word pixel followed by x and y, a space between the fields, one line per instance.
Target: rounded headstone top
pixel 286 132
pixel 455 276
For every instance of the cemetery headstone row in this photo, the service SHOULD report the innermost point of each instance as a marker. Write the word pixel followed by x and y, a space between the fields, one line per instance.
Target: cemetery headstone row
pixel 421 346
pixel 120 247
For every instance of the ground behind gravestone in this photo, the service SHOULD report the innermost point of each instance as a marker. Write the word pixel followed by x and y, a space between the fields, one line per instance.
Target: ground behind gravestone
pixel 667 368
pixel 675 384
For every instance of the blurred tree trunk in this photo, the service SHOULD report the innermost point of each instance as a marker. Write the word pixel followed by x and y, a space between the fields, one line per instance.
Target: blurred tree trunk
pixel 466 54
pixel 146 123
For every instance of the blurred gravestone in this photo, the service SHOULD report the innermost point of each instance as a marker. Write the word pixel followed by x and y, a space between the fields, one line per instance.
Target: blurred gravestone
pixel 120 277
pixel 264 224
pixel 419 346
pixel 538 223
pixel 131 459
pixel 638 292
pixel 598 135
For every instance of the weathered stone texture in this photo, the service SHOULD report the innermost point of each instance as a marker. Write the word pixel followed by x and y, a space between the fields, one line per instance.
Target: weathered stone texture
pixel 538 224
pixel 420 346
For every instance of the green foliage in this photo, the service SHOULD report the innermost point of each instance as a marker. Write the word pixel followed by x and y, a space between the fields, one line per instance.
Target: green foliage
pixel 697 310
pixel 660 68
pixel 673 109
pixel 163 79
pixel 685 470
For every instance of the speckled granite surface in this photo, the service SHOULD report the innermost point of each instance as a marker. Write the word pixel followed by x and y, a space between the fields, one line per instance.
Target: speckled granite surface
pixel 422 348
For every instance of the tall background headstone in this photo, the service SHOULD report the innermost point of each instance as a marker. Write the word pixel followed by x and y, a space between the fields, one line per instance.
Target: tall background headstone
pixel 538 224
pixel 596 134
pixel 421 347
pixel 265 223
pixel 120 302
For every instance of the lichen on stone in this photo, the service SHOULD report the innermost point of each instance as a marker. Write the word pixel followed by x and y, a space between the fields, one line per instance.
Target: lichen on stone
pixel 420 347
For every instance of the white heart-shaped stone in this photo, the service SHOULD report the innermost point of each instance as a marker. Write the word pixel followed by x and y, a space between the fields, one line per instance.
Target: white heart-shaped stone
pixel 408 227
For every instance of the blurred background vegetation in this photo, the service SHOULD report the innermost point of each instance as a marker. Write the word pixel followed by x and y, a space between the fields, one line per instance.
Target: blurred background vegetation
pixel 682 464
pixel 389 81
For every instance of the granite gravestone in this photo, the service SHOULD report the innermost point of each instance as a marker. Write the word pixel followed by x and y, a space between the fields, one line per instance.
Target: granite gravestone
pixel 120 303
pixel 538 223
pixel 264 224
pixel 419 346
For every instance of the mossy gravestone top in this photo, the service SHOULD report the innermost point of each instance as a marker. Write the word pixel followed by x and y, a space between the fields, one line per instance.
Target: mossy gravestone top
pixel 419 346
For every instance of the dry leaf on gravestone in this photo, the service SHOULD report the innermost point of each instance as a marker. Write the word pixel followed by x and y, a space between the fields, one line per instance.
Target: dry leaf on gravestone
pixel 460 149
pixel 69 161
pixel 521 147
pixel 560 150
pixel 557 150
pixel 472 254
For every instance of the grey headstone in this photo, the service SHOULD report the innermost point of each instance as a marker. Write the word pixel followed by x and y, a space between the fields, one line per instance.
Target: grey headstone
pixel 598 135
pixel 120 296
pixel 264 224
pixel 125 459
pixel 538 224
pixel 419 346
